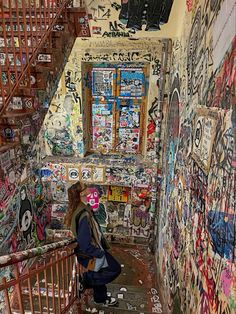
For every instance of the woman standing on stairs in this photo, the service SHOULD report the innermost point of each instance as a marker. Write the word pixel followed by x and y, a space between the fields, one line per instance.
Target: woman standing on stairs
pixel 92 247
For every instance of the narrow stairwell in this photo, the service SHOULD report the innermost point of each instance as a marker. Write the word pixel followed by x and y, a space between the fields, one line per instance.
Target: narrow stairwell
pixel 135 288
pixel 48 286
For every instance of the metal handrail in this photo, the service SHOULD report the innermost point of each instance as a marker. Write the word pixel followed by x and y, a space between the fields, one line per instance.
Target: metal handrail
pixel 49 285
pixel 13 258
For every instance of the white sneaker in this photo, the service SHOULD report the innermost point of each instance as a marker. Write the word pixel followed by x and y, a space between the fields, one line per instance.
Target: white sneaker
pixel 110 301
pixel 80 286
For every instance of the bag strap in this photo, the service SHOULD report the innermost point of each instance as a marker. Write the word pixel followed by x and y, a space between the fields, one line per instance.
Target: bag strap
pixel 77 218
pixel 77 249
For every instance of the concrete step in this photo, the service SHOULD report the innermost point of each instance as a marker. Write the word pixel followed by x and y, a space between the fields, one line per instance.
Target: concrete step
pixel 132 299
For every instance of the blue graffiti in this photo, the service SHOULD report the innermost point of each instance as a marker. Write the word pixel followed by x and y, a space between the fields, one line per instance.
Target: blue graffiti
pixel 170 157
pixel 45 173
pixel 221 229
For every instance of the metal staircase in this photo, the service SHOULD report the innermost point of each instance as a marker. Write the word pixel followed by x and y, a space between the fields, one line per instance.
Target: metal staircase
pixel 36 37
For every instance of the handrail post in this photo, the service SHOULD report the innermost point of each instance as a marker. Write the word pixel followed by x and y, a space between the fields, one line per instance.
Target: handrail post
pixel 38 289
pixel 63 281
pixel 46 286
pixel 18 288
pixel 30 292
pixel 53 290
pixel 6 296
pixel 58 283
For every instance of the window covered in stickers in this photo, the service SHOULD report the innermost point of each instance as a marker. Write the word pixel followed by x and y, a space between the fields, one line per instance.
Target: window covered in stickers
pixel 115 96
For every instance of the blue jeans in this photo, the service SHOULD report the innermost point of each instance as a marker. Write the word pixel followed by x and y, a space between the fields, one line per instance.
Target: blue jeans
pixel 98 280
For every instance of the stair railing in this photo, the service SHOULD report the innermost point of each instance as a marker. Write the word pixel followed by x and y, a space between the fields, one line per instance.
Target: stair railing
pixel 25 27
pixel 44 279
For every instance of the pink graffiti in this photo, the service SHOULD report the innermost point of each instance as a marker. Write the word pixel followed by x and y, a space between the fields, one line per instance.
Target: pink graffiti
pixel 226 281
pixel 93 198
pixel 209 298
pixel 41 223
pixel 6 190
pixel 13 243
pixel 189 4
pixel 39 228
pixel 151 128
pixel 205 307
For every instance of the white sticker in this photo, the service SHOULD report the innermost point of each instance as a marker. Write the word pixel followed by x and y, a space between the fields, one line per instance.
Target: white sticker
pixel 120 296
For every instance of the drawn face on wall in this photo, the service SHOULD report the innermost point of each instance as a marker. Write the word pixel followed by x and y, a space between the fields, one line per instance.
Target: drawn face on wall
pixel 26 220
pixel 23 194
pixel 25 215
pixel 93 198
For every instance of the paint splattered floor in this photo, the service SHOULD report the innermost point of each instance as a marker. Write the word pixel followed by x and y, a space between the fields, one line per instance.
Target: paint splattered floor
pixel 135 288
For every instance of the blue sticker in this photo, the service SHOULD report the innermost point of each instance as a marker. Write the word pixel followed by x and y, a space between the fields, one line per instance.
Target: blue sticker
pixel 222 231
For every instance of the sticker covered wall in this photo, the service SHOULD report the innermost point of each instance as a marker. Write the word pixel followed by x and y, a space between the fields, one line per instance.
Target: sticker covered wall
pixel 120 191
pixel 196 247
pixel 66 130
pixel 26 217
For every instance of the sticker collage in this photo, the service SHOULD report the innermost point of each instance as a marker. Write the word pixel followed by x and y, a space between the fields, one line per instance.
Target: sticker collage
pixel 117 101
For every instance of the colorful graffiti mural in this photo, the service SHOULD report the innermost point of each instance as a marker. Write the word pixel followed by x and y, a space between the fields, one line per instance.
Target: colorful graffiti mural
pixel 65 129
pixel 119 209
pixel 196 248
pixel 26 217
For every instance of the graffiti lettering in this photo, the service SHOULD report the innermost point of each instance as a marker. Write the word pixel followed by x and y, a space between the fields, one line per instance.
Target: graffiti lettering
pixel 115 34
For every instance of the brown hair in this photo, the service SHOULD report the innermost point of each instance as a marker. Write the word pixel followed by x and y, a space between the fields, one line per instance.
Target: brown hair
pixel 74 200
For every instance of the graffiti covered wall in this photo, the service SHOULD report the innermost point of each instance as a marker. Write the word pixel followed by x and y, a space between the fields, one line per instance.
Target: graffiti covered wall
pixel 196 249
pixel 65 140
pixel 24 206
pixel 65 127
pixel 25 216
pixel 121 190
pixel 114 19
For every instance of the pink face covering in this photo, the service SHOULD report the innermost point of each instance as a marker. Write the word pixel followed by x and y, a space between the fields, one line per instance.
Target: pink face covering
pixel 93 198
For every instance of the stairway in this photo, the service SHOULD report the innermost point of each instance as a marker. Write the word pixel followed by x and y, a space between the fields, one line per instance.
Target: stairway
pixel 31 66
pixel 131 299
pixel 54 274
pixel 135 288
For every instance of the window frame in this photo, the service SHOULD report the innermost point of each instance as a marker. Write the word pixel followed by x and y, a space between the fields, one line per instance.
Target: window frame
pixel 91 99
